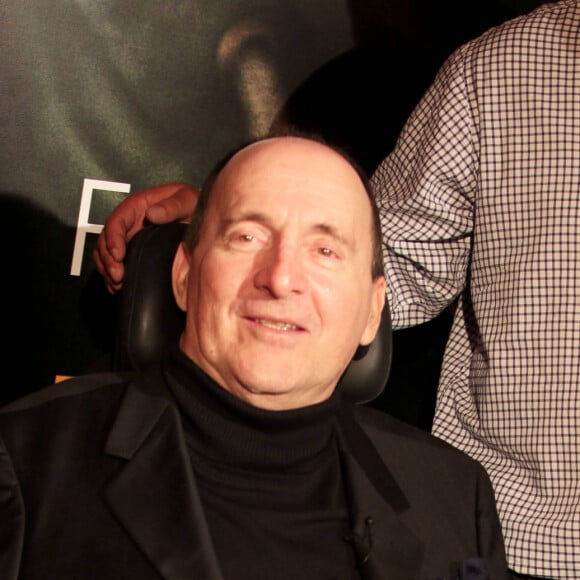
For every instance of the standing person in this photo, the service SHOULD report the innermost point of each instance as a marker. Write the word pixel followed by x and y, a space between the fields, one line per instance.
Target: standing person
pixel 479 201
pixel 237 458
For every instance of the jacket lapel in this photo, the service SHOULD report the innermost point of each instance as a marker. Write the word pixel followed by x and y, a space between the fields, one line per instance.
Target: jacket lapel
pixel 385 546
pixel 154 496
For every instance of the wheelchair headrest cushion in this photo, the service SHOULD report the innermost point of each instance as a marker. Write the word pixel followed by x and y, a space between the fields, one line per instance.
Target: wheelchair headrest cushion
pixel 149 318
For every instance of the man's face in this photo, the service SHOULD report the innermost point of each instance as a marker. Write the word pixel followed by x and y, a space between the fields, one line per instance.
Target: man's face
pixel 279 291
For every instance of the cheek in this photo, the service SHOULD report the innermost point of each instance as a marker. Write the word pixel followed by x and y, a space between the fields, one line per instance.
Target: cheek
pixel 344 305
pixel 209 304
pixel 332 300
pixel 216 290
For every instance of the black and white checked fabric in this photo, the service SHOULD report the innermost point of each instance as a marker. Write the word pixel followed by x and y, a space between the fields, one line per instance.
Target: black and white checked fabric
pixel 481 199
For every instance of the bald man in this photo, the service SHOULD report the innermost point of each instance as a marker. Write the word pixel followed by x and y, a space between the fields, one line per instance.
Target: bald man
pixel 237 458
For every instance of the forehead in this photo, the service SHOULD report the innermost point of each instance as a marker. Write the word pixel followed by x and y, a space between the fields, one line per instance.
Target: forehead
pixel 292 175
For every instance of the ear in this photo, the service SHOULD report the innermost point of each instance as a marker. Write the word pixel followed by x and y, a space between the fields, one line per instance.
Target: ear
pixel 375 314
pixel 180 275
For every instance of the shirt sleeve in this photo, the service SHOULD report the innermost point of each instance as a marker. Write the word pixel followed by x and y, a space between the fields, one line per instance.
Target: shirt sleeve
pixel 425 191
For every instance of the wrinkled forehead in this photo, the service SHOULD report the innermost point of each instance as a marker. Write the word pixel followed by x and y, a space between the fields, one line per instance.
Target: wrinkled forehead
pixel 293 172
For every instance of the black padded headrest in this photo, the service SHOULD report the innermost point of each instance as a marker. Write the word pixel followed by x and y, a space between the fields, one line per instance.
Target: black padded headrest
pixel 149 319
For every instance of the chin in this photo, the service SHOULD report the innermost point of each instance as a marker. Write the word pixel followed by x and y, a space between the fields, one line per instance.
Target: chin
pixel 267 385
pixel 286 395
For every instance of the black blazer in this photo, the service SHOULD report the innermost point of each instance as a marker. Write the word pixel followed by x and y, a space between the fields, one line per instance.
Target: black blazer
pixel 96 483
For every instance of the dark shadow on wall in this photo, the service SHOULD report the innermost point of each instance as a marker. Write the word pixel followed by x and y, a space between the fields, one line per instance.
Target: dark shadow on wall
pixel 56 323
pixel 360 101
pixel 53 323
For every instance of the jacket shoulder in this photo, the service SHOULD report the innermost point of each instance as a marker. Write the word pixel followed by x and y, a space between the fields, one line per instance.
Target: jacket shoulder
pixel 398 439
pixel 65 390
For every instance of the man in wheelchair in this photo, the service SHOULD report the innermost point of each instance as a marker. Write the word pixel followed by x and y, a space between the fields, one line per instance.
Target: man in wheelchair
pixel 237 457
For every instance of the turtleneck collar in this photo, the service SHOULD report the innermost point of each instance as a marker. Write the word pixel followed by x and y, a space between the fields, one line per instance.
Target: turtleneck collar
pixel 221 426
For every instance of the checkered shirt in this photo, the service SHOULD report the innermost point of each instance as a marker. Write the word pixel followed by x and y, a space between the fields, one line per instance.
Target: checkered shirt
pixel 480 200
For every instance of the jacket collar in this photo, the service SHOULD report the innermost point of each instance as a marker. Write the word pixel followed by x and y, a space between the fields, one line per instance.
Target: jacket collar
pixel 154 496
pixel 385 546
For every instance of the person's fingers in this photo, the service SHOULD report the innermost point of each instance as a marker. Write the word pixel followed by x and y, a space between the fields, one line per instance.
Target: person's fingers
pixel 111 271
pixel 115 241
pixel 121 225
pixel 167 202
pixel 111 245
pixel 177 207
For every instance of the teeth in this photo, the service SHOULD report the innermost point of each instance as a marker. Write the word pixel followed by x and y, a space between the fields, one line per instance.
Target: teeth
pixel 278 325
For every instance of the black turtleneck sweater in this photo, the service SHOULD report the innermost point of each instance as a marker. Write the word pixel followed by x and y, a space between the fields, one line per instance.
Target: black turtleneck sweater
pixel 270 481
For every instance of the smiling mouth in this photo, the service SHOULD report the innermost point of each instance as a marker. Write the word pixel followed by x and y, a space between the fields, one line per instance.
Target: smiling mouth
pixel 283 326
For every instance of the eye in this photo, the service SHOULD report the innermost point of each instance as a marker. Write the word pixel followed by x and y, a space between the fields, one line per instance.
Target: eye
pixel 242 240
pixel 326 252
pixel 245 238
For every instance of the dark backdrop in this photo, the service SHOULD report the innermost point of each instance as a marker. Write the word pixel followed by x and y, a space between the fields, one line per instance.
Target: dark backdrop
pixel 146 91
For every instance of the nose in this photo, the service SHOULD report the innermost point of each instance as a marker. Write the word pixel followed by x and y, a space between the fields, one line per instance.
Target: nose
pixel 281 271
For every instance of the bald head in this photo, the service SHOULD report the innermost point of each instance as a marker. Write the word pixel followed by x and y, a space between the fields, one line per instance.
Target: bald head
pixel 308 154
pixel 277 283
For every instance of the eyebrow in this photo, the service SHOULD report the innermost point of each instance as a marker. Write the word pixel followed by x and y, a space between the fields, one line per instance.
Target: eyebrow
pixel 261 218
pixel 332 232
